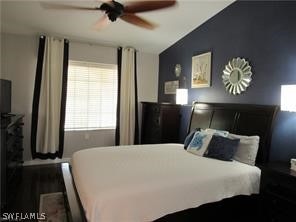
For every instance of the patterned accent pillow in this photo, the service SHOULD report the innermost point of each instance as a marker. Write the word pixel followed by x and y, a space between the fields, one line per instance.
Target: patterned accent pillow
pixel 222 148
pixel 199 143
pixel 247 148
pixel 189 137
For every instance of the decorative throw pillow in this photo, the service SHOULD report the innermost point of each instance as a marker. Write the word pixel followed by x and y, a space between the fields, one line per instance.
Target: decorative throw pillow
pixel 222 148
pixel 199 143
pixel 247 148
pixel 217 132
pixel 189 137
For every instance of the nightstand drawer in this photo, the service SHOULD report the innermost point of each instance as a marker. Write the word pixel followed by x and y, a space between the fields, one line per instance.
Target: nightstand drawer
pixel 278 181
pixel 279 208
pixel 281 199
pixel 278 190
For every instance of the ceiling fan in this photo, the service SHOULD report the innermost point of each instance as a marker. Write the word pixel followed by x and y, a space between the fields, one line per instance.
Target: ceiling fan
pixel 114 10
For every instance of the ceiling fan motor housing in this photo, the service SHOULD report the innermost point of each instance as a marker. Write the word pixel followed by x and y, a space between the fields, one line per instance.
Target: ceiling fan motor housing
pixel 113 11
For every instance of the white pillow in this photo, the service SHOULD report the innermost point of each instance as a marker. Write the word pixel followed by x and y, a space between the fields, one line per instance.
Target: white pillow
pixel 247 148
pixel 217 132
pixel 199 142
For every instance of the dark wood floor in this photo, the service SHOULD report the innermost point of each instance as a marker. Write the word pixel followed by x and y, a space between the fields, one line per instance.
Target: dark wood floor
pixel 35 180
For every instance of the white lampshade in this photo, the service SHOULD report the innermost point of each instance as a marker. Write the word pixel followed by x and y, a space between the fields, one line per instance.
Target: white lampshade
pixel 182 96
pixel 288 100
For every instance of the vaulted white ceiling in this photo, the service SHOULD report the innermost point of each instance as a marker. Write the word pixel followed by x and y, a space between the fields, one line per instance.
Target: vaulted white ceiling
pixel 28 17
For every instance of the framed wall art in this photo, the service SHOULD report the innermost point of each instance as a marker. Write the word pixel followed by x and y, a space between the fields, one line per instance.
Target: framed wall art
pixel 201 70
pixel 170 87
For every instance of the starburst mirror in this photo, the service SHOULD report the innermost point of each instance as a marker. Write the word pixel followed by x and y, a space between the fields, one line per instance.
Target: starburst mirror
pixel 237 76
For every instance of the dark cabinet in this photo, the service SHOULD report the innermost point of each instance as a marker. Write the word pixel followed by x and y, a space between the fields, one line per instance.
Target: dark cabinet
pixel 160 123
pixel 278 191
pixel 11 154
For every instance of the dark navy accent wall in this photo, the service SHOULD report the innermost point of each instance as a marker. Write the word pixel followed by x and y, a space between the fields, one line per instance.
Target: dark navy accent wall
pixel 262 32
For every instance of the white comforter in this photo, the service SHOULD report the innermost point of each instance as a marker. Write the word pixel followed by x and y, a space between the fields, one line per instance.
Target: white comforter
pixel 143 183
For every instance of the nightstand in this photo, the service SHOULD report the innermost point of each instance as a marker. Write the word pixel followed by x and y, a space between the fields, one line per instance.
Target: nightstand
pixel 278 192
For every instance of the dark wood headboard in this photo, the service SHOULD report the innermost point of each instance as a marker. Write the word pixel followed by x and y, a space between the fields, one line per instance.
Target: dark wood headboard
pixel 243 119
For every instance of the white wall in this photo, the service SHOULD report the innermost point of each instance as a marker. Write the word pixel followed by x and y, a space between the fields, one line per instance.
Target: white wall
pixel 18 60
pixel 147 73
pixel 92 53
pixel 18 64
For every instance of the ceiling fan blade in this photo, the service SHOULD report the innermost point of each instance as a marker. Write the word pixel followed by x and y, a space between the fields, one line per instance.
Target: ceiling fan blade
pixel 136 20
pixel 104 1
pixel 48 5
pixel 144 6
pixel 102 22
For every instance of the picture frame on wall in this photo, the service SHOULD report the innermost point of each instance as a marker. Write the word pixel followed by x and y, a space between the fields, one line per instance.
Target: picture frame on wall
pixel 170 87
pixel 201 70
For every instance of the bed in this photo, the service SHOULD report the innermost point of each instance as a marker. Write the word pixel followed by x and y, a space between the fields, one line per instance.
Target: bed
pixel 157 181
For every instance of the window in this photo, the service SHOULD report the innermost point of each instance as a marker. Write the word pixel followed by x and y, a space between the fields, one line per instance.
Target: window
pixel 91 96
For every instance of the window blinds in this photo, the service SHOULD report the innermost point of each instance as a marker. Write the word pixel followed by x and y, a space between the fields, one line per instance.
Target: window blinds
pixel 91 96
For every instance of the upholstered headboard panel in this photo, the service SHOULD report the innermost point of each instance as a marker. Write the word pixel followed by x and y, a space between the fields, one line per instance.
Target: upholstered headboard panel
pixel 243 119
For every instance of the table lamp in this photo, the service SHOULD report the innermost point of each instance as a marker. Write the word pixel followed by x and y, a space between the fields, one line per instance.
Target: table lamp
pixel 288 103
pixel 182 96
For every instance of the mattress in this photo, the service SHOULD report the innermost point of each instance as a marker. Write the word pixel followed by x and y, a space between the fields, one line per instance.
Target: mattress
pixel 146 182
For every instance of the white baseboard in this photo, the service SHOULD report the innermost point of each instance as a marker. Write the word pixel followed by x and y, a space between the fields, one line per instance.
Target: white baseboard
pixel 41 162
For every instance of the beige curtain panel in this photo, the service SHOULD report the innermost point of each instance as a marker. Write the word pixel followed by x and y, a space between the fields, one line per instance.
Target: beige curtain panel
pixel 49 99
